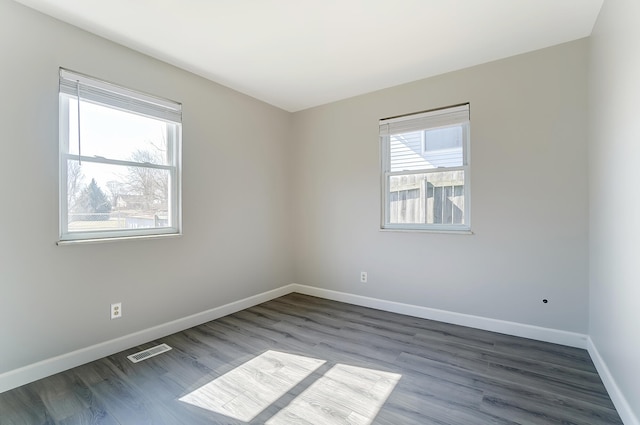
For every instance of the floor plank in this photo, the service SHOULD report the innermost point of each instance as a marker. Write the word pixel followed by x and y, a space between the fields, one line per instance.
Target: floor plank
pixel 305 360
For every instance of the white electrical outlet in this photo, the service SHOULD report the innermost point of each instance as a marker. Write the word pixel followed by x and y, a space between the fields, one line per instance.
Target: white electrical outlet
pixel 116 311
pixel 363 277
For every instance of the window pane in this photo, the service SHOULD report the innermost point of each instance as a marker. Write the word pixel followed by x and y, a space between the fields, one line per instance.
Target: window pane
pixel 443 146
pixel 428 198
pixel 116 134
pixel 427 149
pixel 406 152
pixel 443 138
pixel 114 197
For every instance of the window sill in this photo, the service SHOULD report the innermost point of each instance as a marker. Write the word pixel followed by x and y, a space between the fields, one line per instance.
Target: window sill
pixel 116 239
pixel 447 232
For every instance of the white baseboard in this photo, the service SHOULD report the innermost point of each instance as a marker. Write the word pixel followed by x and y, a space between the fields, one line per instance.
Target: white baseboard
pixel 571 339
pixel 44 368
pixel 617 397
pixel 33 372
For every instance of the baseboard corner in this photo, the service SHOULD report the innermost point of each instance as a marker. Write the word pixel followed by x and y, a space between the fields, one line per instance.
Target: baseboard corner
pixel 623 407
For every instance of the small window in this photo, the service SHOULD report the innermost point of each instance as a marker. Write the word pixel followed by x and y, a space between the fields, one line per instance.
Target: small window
pixel 425 170
pixel 119 161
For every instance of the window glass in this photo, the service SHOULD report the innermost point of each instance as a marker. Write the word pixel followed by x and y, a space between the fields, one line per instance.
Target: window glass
pixel 116 134
pixel 425 170
pixel 119 168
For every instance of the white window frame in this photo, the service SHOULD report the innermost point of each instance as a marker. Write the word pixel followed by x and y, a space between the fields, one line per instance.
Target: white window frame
pixel 432 119
pixel 113 96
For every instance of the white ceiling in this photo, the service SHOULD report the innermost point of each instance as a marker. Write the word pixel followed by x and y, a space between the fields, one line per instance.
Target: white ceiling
pixel 297 54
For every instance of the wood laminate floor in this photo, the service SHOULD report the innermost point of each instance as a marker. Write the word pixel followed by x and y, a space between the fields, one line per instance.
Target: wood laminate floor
pixel 305 360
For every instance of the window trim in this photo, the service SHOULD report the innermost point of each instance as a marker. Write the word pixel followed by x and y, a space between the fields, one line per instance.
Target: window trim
pixel 438 118
pixel 113 96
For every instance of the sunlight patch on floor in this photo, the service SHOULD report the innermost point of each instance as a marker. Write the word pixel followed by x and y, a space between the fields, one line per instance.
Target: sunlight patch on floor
pixel 250 388
pixel 345 394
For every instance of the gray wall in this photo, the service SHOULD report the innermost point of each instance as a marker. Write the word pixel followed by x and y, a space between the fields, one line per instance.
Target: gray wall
pixel 306 200
pixel 56 299
pixel 614 173
pixel 528 195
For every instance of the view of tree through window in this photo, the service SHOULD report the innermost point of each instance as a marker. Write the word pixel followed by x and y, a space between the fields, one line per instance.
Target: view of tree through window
pixel 120 168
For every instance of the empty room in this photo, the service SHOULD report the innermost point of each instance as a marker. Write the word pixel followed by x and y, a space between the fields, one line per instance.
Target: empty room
pixel 320 212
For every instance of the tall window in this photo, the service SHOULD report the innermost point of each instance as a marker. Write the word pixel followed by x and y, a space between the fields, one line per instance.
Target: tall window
pixel 425 170
pixel 119 161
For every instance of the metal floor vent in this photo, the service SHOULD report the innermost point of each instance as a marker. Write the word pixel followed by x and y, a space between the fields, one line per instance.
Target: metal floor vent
pixel 149 352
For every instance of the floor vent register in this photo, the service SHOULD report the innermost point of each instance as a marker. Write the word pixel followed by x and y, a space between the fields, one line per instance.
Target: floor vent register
pixel 148 353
